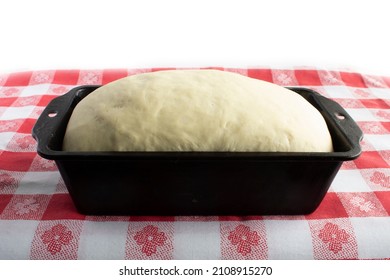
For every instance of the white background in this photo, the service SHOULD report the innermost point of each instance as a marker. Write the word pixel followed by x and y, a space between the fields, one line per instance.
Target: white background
pixel 290 269
pixel 99 34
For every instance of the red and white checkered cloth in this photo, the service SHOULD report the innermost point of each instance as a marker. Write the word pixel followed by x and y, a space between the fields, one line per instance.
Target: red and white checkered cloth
pixel 38 219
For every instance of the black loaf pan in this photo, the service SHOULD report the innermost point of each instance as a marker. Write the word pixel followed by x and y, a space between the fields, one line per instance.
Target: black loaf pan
pixel 196 183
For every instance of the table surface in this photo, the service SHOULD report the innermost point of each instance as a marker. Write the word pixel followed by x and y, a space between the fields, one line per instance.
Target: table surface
pixel 39 221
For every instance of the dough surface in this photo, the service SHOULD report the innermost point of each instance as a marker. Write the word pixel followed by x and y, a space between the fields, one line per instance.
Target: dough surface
pixel 195 110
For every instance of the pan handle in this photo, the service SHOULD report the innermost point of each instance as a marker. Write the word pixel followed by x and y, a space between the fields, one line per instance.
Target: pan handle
pixel 341 117
pixel 337 116
pixel 332 110
pixel 54 118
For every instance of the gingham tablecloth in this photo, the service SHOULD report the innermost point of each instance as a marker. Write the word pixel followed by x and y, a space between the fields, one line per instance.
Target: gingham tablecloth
pixel 39 221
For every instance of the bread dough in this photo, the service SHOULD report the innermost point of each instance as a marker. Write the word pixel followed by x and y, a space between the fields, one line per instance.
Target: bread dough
pixel 195 110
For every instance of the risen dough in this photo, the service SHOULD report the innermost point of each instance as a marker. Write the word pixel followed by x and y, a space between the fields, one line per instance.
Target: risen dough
pixel 195 110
